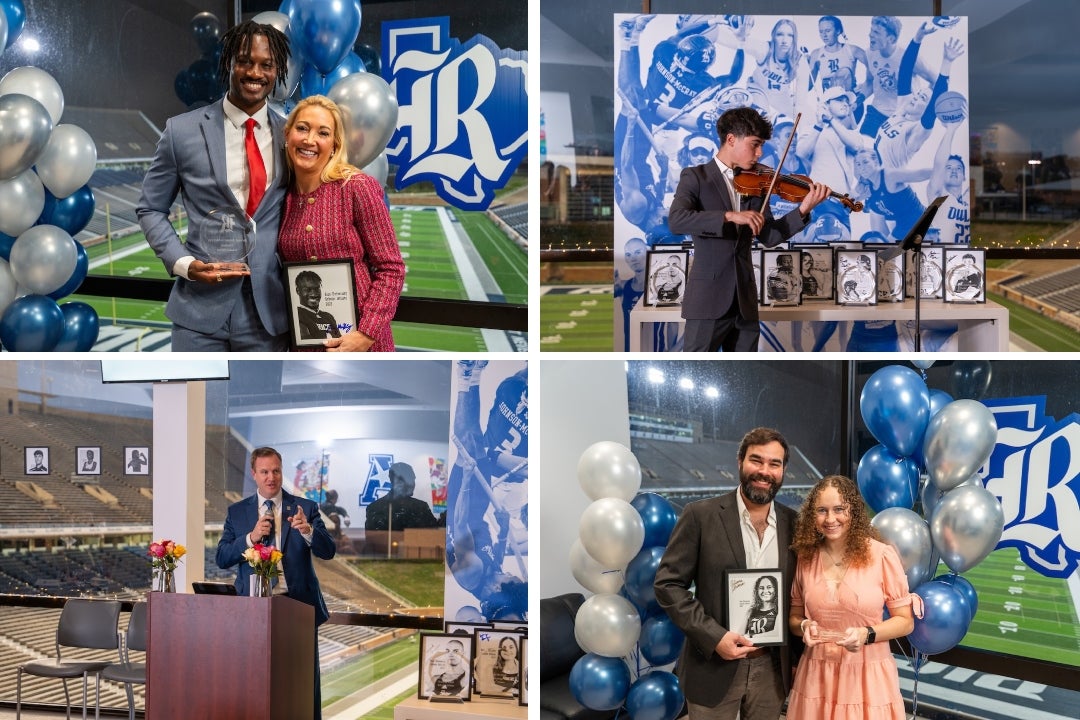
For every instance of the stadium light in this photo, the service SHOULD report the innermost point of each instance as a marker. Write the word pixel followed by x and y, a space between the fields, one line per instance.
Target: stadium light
pixel 655 376
pixel 686 383
pixel 712 393
pixel 30 45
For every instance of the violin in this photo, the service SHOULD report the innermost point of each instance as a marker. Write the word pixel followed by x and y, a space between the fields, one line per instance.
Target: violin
pixel 793 188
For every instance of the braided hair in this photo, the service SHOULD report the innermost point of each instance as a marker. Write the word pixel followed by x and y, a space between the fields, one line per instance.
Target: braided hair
pixel 237 40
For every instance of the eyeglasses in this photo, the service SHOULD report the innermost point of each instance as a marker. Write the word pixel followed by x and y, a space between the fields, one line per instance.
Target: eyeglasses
pixel 838 511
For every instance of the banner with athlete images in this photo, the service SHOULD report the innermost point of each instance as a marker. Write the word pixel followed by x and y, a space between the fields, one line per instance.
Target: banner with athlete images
pixel 487 511
pixel 883 120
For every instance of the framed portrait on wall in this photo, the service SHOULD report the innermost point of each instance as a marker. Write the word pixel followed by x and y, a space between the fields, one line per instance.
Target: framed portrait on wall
pixel 965 275
pixel 322 301
pixel 88 460
pixel 930 273
pixel 136 460
pixel 445 668
pixel 890 278
pixel 37 460
pixel 665 276
pixel 816 268
pixel 756 605
pixel 856 277
pixel 781 282
pixel 498 663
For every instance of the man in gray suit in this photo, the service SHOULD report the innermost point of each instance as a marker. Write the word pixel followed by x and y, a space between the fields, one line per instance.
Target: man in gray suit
pixel 720 304
pixel 201 155
pixel 720 671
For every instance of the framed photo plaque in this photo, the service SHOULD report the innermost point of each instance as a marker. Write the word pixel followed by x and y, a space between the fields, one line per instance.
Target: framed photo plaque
pixel 445 668
pixel 856 277
pixel 498 663
pixel 782 284
pixel 756 605
pixel 665 276
pixel 817 272
pixel 523 683
pixel 322 301
pixel 965 275
pixel 755 259
pixel 890 278
pixel 930 273
pixel 136 460
pixel 88 460
pixel 37 460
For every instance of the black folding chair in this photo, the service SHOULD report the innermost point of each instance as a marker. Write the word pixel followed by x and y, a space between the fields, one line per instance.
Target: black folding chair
pixel 126 671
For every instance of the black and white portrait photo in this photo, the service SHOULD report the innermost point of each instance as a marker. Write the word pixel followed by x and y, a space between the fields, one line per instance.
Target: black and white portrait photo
pixel 965 273
pixel 88 460
pixel 322 301
pixel 817 272
pixel 665 277
pixel 856 277
pixel 756 605
pixel 445 667
pixel 136 460
pixel 783 283
pixel 890 279
pixel 930 272
pixel 498 662
pixel 37 460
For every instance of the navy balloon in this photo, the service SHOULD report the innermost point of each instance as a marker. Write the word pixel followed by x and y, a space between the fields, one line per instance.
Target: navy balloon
pixel 600 683
pixel 945 620
pixel 895 406
pixel 81 327
pixel 655 696
pixel 970 379
pixel 6 241
pixel 658 516
pixel 967 590
pixel 32 323
pixel 661 640
pixel 16 17
pixel 887 481
pixel 640 574
pixel 72 213
pixel 369 56
pixel 82 266
pixel 207 31
pixel 324 31
pixel 643 610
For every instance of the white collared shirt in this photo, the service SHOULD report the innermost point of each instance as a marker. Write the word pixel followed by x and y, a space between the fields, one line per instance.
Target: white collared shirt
pixel 729 175
pixel 762 553
pixel 235 156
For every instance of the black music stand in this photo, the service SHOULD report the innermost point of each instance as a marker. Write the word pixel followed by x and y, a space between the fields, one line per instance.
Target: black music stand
pixel 913 241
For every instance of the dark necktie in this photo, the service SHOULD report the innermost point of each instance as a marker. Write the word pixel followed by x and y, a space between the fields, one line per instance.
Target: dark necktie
pixel 268 509
pixel 256 168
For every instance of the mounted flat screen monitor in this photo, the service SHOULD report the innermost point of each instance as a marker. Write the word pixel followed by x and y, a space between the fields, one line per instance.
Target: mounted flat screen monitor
pixel 119 371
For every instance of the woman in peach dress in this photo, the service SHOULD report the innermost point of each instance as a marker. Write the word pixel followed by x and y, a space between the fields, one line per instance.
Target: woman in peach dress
pixel 845 575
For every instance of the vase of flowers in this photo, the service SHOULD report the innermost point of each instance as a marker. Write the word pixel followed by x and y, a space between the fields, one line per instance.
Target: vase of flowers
pixel 264 561
pixel 165 556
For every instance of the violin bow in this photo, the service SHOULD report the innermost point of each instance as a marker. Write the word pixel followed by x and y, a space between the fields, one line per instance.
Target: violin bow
pixel 780 166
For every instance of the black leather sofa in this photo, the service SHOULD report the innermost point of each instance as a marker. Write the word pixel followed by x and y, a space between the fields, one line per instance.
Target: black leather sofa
pixel 558 653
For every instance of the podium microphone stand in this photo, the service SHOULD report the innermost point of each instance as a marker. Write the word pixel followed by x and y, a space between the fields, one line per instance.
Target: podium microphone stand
pixel 913 241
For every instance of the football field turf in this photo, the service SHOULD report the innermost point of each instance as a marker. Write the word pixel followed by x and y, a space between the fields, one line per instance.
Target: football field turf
pixel 448 255
pixel 576 318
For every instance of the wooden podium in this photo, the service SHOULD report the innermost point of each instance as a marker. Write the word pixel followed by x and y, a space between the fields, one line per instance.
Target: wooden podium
pixel 221 656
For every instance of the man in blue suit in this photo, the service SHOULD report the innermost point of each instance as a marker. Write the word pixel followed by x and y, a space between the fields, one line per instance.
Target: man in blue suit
pixel 201 156
pixel 290 523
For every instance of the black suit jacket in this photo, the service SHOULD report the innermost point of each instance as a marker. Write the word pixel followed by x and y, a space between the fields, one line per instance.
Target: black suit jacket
pixel 722 271
pixel 707 541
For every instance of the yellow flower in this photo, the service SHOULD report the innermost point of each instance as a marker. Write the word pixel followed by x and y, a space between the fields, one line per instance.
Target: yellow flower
pixel 179 551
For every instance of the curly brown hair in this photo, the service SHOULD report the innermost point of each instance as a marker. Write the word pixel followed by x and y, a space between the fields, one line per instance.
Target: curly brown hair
pixel 860 531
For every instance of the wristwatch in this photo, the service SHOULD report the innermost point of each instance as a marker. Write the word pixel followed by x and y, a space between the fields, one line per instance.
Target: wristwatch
pixel 870 635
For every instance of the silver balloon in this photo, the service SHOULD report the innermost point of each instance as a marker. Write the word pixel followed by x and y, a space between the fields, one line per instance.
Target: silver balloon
pixel 608 469
pixel 8 287
pixel 608 625
pixel 38 84
pixel 612 532
pixel 966 526
pixel 923 364
pixel 68 160
pixel 24 132
pixel 280 21
pixel 378 168
pixel 931 496
pixel 370 109
pixel 958 440
pixel 590 574
pixel 22 198
pixel 910 535
pixel 43 259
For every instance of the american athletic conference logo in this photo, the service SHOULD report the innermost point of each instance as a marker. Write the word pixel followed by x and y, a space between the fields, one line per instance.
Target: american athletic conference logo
pixel 463 110
pixel 1035 471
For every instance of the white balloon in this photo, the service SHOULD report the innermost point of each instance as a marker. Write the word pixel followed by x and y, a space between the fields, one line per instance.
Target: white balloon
pixel 592 575
pixel 378 168
pixel 43 259
pixel 68 160
pixel 611 531
pixel 608 625
pixel 39 85
pixel 8 288
pixel 608 469
pixel 22 198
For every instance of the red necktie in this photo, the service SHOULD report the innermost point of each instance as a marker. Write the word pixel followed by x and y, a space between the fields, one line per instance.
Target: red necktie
pixel 256 169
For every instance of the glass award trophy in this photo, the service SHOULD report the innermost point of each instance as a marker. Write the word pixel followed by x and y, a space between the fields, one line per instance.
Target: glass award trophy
pixel 227 237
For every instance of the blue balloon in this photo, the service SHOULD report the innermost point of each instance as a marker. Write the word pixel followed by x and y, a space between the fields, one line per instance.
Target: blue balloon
pixel 324 31
pixel 945 620
pixel 658 516
pixel 600 683
pixel 643 611
pixel 72 213
pixel 6 241
pixel 32 323
pixel 661 640
pixel 639 576
pixel 655 696
pixel 16 17
pixel 82 266
pixel 887 481
pixel 370 57
pixel 895 406
pixel 967 590
pixel 81 327
pixel 971 379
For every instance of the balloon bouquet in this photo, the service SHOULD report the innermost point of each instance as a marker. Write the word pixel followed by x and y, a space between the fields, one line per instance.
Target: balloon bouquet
pixel 621 539
pixel 926 430
pixel 44 202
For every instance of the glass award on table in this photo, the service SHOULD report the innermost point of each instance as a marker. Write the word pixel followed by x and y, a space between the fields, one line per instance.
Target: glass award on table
pixel 227 237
